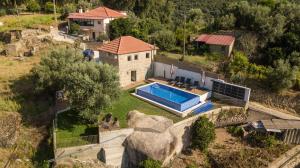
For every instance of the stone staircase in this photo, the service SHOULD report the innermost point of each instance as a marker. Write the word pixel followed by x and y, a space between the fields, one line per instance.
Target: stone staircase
pixel 112 149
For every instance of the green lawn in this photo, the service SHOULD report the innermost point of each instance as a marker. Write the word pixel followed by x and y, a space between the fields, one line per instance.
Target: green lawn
pixel 25 21
pixel 127 103
pixel 70 127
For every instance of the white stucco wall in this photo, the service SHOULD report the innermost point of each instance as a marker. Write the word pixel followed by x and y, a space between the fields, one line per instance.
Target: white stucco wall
pixel 160 69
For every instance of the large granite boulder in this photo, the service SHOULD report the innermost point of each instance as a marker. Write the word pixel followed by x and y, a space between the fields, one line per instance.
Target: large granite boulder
pixel 151 138
pixel 151 123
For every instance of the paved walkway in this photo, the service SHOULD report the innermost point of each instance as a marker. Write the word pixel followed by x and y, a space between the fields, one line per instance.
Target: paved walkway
pixel 61 36
pixel 258 107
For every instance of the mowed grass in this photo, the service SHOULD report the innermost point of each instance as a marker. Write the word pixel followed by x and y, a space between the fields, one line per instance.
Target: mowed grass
pixel 72 131
pixel 127 103
pixel 12 22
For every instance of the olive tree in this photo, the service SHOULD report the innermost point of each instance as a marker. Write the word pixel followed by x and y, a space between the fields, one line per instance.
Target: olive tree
pixel 282 76
pixel 89 87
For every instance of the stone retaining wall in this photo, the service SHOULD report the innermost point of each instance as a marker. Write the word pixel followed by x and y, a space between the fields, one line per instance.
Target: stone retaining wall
pixel 181 130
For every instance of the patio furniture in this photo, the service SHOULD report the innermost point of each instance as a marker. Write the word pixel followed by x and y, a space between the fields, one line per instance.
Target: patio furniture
pixel 181 82
pixel 195 85
pixel 188 83
pixel 174 81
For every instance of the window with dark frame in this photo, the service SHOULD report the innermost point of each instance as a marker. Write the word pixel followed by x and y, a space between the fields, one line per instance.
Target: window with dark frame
pixel 147 55
pixel 136 57
pixel 129 58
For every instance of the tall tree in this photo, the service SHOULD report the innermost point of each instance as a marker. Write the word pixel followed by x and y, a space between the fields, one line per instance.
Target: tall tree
pixel 90 87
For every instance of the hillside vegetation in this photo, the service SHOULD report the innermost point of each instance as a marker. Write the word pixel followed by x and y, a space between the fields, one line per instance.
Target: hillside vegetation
pixel 25 21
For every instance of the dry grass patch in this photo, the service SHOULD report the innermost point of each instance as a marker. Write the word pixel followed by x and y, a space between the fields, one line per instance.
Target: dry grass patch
pixel 12 22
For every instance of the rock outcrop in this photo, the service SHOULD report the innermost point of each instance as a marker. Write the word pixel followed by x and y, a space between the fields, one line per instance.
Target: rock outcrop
pixel 151 138
pixel 151 123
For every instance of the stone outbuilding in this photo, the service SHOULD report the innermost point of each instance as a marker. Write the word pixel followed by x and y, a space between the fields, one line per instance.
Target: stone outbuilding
pixel 287 130
pixel 132 57
pixel 222 44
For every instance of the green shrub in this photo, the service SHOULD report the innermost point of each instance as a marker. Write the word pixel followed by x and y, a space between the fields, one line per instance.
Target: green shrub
pixel 236 131
pixel 261 140
pixel 2 12
pixel 203 133
pixel 66 9
pixel 12 11
pixel 33 6
pixel 102 37
pixel 165 39
pixel 150 163
pixel 74 28
pixel 49 7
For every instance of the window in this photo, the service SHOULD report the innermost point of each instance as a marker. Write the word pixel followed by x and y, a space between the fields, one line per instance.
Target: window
pixel 147 55
pixel 129 58
pixel 99 22
pixel 84 22
pixel 136 57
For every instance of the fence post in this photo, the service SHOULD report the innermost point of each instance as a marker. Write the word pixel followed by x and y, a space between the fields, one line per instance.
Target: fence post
pixel 54 138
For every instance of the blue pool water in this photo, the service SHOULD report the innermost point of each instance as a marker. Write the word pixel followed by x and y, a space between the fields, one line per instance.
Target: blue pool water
pixel 169 96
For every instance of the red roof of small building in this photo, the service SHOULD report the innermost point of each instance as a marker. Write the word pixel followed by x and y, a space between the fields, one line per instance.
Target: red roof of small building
pixel 216 39
pixel 98 13
pixel 126 45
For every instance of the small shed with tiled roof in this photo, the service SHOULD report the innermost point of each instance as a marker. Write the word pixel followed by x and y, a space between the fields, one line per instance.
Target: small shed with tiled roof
pixel 95 22
pixel 132 57
pixel 222 44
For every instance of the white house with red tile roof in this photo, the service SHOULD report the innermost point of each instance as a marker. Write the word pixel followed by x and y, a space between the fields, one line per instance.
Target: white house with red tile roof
pixel 132 57
pixel 222 44
pixel 95 22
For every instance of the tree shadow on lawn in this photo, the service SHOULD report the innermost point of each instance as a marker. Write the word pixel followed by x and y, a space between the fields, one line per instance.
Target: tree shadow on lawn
pixel 34 108
pixel 67 120
pixel 90 131
pixel 70 119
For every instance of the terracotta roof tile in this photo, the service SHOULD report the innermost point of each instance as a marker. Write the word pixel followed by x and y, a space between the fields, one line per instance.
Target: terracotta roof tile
pixel 216 39
pixel 98 13
pixel 125 45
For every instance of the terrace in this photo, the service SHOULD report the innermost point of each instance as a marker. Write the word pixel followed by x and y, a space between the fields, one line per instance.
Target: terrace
pixel 76 132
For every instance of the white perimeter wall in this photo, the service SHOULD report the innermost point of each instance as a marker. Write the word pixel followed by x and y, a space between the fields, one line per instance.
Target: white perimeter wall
pixel 164 70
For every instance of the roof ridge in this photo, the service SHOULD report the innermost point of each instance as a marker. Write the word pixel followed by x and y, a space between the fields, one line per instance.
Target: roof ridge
pixel 119 44
pixel 105 11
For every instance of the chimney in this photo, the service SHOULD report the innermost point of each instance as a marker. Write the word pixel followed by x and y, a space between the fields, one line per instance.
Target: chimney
pixel 80 10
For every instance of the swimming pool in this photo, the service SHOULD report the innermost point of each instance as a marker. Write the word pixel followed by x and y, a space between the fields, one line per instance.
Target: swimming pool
pixel 176 99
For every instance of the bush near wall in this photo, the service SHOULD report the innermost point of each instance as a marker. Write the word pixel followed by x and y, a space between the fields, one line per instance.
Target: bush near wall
pixel 203 133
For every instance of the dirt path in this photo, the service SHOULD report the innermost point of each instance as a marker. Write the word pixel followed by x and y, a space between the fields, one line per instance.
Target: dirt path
pixel 258 107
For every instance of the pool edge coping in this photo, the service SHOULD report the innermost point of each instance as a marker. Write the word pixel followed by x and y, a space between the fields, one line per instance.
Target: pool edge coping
pixel 174 111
